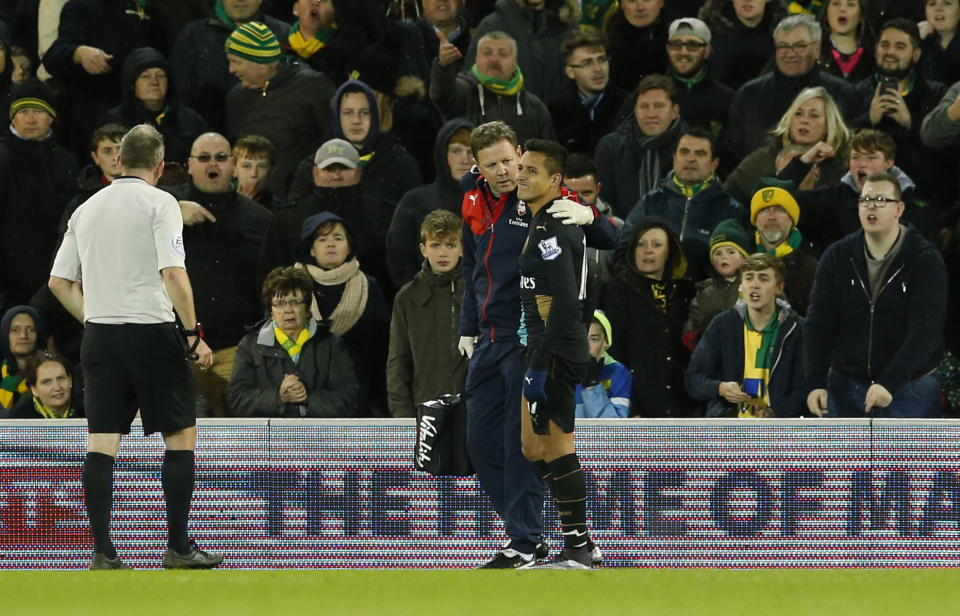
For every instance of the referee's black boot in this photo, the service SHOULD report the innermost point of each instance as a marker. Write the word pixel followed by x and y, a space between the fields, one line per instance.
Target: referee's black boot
pixel 194 559
pixel 101 561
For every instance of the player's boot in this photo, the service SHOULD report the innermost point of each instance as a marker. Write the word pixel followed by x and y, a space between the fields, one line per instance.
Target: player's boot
pixel 541 551
pixel 596 556
pixel 569 558
pixel 509 558
pixel 194 559
pixel 100 561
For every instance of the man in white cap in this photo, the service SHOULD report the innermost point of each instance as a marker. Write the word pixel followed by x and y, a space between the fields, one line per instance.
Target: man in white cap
pixel 703 101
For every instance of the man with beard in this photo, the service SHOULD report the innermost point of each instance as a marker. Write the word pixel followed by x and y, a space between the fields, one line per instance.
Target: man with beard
pixel 775 213
pixel 703 101
pixel 899 111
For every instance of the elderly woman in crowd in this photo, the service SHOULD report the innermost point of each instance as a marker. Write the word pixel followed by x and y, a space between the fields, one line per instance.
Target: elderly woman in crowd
pixel 292 366
pixel 350 300
pixel 812 117
pixel 50 381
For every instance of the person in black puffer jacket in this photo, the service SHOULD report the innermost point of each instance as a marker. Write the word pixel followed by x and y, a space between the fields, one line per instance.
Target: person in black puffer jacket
pixel 648 300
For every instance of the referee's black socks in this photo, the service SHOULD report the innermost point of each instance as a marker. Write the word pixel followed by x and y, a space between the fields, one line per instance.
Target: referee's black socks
pixel 177 477
pixel 570 493
pixel 98 496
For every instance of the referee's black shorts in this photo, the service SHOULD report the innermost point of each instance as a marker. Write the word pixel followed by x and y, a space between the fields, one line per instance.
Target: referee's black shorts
pixel 561 389
pixel 135 366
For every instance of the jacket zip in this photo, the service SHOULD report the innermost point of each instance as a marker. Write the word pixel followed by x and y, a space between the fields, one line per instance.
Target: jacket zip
pixel 486 266
pixel 872 306
pixel 783 343
pixel 454 321
pixel 683 223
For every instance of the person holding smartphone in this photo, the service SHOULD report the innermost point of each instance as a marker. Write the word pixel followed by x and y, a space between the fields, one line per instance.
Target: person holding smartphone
pixel 896 99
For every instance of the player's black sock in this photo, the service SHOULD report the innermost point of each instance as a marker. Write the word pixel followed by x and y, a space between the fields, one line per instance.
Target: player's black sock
pixel 543 469
pixel 177 478
pixel 570 493
pixel 98 496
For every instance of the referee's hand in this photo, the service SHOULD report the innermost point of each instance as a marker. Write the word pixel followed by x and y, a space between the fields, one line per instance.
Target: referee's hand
pixel 202 355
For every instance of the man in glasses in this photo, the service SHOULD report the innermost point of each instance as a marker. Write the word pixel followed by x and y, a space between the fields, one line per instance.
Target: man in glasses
pixel 587 107
pixel 875 326
pixel 703 101
pixel 759 103
pixel 222 258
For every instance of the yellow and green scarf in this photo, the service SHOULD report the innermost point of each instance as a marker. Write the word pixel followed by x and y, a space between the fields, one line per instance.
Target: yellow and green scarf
pixel 690 191
pixel 48 413
pixel 12 386
pixel 307 47
pixel 758 347
pixel 292 348
pixel 221 14
pixel 499 86
pixel 783 248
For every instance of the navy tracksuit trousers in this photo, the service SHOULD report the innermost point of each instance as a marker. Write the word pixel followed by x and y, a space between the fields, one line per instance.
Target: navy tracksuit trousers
pixel 494 388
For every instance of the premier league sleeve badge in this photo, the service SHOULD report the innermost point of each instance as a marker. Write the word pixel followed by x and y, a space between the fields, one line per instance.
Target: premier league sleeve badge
pixel 550 248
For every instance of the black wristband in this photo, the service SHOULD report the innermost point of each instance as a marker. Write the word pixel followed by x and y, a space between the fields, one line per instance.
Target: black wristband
pixel 197 332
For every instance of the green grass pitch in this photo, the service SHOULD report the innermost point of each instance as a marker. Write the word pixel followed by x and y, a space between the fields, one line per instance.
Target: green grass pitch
pixel 495 593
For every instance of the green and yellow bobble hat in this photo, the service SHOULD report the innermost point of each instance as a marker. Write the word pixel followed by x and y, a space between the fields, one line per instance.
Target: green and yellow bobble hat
pixel 254 41
pixel 601 318
pixel 729 232
pixel 31 94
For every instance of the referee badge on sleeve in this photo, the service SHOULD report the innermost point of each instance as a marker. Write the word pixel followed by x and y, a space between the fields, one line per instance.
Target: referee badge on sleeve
pixel 550 248
pixel 177 242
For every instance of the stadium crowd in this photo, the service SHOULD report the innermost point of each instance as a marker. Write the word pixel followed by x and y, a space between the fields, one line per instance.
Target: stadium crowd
pixel 770 191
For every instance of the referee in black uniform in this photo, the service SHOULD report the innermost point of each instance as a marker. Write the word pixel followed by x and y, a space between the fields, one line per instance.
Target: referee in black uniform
pixel 127 240
pixel 552 288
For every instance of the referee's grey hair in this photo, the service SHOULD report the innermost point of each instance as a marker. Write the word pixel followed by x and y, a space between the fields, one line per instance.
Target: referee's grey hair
pixel 789 24
pixel 141 148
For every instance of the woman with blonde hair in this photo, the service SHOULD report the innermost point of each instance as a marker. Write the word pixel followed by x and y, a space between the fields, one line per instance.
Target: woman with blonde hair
pixel 811 118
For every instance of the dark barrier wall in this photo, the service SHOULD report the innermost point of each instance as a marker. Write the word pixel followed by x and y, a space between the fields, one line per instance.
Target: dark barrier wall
pixel 313 494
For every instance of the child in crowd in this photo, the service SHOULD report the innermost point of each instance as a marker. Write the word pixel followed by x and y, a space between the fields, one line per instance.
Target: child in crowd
pixel 425 327
pixel 605 391
pixel 22 65
pixel 729 245
pixel 750 360
pixel 255 159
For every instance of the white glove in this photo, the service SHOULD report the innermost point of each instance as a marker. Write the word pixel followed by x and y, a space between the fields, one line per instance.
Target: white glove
pixel 571 212
pixel 466 344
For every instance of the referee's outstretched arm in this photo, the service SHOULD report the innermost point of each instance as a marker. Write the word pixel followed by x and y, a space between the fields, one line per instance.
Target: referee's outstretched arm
pixel 181 295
